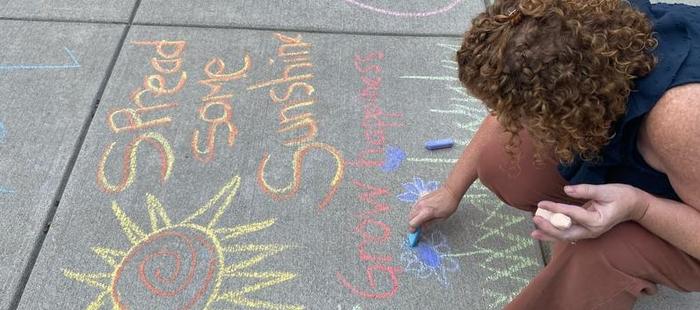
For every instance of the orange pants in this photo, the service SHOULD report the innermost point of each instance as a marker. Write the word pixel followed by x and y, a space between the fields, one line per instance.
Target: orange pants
pixel 608 272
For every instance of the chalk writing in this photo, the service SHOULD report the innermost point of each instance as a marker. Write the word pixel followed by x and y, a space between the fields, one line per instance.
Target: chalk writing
pixel 432 257
pixel 296 80
pixel 379 263
pixel 184 265
pixel 437 11
pixel 373 121
pixel 154 97
pixel 167 160
pixel 214 81
pixel 373 126
pixel 73 64
pixel 417 189
pixel 154 88
pixel 293 187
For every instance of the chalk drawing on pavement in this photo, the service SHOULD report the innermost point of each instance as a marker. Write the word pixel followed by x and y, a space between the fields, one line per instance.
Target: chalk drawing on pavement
pixel 416 189
pixel 424 13
pixel 72 64
pixel 194 263
pixel 431 258
pixel 467 110
pixel 394 156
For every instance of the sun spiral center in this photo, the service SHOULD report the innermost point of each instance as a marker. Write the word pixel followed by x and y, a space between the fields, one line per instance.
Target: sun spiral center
pixel 176 267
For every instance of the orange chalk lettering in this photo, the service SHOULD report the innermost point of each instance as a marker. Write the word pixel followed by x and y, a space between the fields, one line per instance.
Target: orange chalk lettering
pixel 160 89
pixel 308 89
pixel 219 74
pixel 160 143
pixel 159 65
pixel 134 120
pixel 303 121
pixel 286 76
pixel 287 39
pixel 293 187
pixel 208 153
pixel 177 47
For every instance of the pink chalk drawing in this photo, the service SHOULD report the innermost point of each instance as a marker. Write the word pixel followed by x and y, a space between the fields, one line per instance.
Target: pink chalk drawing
pixel 384 11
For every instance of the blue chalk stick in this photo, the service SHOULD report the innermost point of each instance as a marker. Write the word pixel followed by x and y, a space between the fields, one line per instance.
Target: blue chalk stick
pixel 413 238
pixel 439 144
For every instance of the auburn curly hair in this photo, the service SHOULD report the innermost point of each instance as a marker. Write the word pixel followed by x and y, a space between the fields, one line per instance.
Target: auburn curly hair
pixel 561 69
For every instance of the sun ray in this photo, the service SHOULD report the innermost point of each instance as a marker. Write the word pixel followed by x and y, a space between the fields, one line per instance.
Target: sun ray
pixel 270 278
pixel 98 302
pixel 131 230
pixel 98 280
pixel 131 272
pixel 156 211
pixel 110 256
pixel 230 190
pixel 234 232
pixel 265 250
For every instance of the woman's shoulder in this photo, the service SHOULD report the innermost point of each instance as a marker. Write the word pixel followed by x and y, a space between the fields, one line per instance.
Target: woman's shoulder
pixel 670 130
pixel 678 104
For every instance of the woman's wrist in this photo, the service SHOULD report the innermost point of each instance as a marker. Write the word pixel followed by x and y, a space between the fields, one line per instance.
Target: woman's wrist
pixel 641 207
pixel 452 192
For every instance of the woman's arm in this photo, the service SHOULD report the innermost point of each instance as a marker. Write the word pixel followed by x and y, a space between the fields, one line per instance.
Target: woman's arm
pixel 463 174
pixel 669 141
pixel 675 222
pixel 443 202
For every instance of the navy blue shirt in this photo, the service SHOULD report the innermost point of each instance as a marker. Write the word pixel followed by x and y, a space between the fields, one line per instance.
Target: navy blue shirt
pixel 677 29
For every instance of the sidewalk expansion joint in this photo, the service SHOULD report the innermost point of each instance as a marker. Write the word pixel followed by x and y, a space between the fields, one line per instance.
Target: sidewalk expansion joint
pixel 14 303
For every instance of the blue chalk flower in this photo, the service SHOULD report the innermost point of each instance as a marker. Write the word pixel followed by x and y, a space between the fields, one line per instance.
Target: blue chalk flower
pixel 394 156
pixel 432 257
pixel 414 190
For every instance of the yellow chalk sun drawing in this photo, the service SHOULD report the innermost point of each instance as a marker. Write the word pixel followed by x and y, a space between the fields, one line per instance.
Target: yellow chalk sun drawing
pixel 185 265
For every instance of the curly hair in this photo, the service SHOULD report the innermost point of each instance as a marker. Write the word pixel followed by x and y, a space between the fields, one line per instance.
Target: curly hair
pixel 561 69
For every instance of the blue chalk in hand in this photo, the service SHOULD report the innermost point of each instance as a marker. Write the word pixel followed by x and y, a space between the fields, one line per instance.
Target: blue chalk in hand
pixel 439 144
pixel 413 238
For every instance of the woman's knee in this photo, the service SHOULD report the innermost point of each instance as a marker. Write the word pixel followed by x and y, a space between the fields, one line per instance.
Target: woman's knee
pixel 520 183
pixel 616 255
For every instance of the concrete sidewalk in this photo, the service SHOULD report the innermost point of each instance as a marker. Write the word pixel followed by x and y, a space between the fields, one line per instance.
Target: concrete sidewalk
pixel 284 150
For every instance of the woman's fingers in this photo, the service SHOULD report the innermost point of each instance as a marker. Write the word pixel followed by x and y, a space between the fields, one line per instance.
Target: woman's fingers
pixel 423 215
pixel 414 211
pixel 577 214
pixel 575 232
pixel 603 192
pixel 541 235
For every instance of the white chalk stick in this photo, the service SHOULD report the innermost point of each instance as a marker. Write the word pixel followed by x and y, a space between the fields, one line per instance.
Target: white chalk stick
pixel 558 220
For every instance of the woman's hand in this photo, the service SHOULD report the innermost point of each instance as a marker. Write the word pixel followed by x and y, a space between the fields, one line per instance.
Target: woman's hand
pixel 436 205
pixel 608 205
